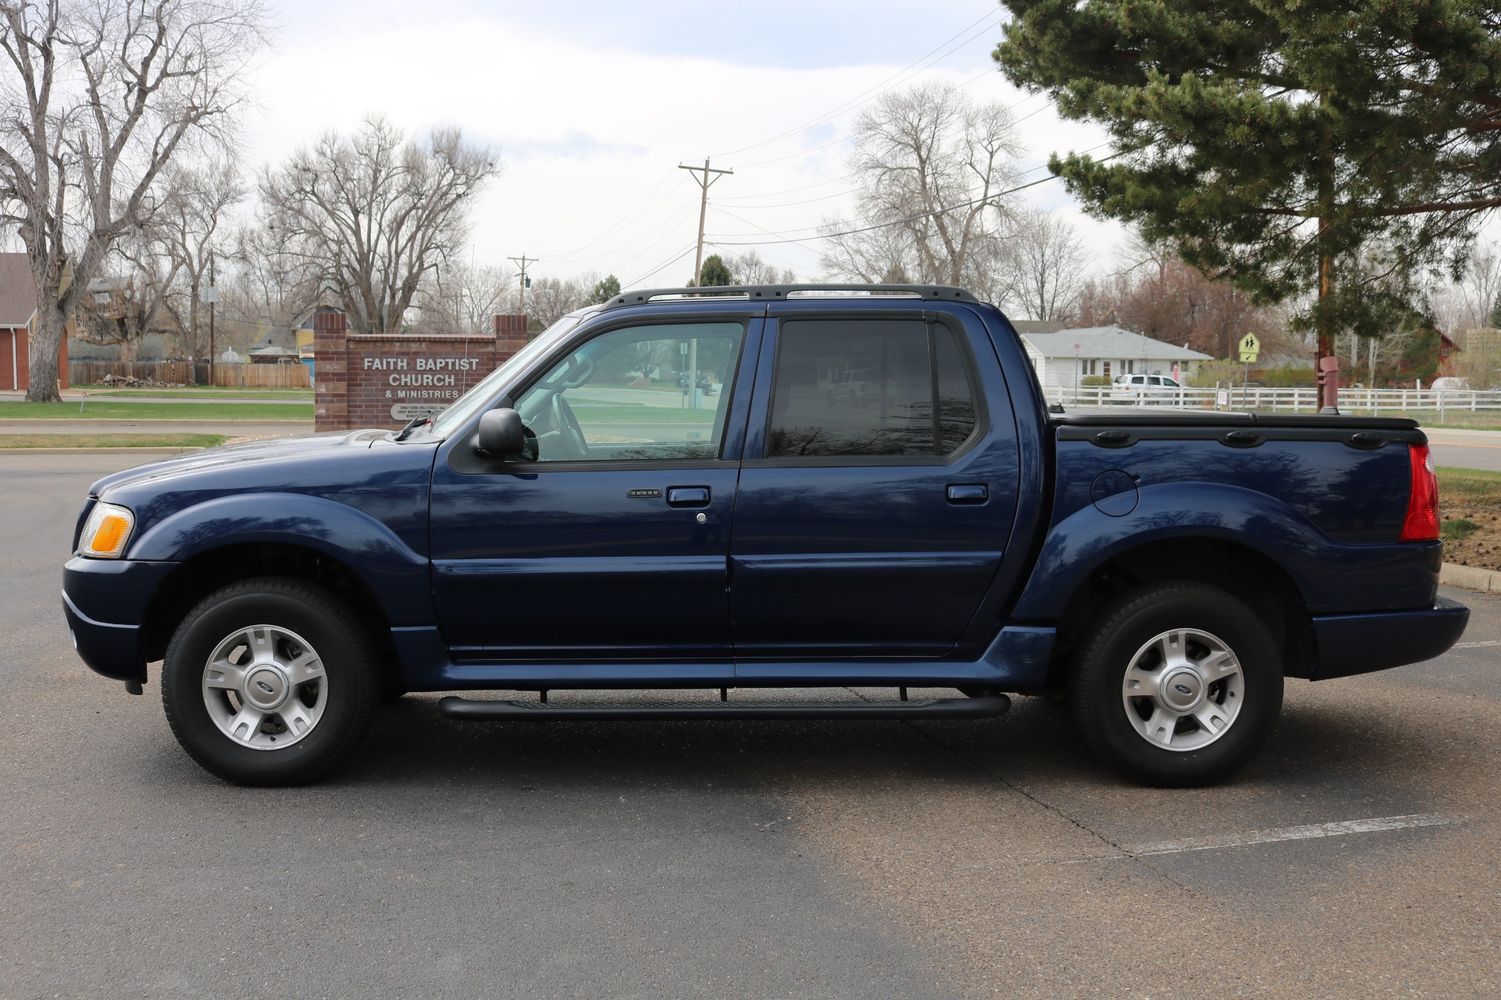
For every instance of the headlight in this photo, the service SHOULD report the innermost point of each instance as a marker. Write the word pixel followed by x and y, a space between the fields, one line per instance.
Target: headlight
pixel 106 531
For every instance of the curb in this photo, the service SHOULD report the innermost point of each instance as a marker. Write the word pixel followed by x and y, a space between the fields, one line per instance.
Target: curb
pixel 1470 577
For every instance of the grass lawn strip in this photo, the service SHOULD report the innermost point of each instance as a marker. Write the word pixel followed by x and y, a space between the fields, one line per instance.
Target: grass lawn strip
pixel 112 440
pixel 203 393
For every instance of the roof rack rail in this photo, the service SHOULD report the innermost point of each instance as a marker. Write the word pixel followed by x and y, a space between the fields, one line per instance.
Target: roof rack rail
pixel 778 293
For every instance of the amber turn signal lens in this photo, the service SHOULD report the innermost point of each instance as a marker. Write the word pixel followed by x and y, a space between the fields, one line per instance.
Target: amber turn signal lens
pixel 107 531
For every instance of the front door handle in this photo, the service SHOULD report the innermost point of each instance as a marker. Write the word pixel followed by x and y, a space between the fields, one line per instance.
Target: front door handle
pixel 968 493
pixel 687 496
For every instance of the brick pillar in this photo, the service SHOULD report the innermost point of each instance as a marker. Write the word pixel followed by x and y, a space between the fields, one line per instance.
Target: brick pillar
pixel 510 336
pixel 330 371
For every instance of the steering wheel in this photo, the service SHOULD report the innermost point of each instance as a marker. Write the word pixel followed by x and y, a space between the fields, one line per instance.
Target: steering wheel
pixel 566 424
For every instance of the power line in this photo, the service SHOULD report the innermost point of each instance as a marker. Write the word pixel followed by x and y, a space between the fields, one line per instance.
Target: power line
pixel 782 238
pixel 853 101
pixel 635 282
pixel 563 258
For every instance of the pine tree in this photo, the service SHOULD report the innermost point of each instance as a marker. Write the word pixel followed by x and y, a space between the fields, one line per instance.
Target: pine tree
pixel 1277 144
pixel 715 272
pixel 604 290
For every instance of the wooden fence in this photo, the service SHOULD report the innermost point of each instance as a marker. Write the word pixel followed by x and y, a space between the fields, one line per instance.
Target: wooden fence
pixel 281 376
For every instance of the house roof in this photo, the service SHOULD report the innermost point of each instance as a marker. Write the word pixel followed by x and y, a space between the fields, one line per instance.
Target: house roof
pixel 1106 342
pixel 17 290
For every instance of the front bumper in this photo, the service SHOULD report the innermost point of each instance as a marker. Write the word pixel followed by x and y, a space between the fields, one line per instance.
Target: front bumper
pixel 1359 644
pixel 105 603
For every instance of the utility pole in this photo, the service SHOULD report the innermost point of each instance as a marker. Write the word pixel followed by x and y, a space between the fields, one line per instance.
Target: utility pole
pixel 526 282
pixel 213 302
pixel 704 182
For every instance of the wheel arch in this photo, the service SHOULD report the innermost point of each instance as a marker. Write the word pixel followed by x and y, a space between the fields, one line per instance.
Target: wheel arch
pixel 1240 570
pixel 210 570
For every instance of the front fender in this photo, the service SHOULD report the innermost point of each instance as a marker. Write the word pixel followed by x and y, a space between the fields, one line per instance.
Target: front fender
pixel 394 572
pixel 1331 577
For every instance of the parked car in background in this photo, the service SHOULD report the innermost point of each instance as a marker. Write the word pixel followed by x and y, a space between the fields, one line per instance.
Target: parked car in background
pixel 1450 383
pixel 1143 388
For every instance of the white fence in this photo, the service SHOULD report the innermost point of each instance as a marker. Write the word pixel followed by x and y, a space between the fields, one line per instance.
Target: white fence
pixel 1256 398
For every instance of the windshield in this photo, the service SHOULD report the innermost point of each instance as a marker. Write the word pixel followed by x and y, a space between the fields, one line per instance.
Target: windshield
pixel 467 405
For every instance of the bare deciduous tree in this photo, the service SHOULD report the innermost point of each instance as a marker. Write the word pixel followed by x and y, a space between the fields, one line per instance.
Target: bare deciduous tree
pixel 1046 263
pixel 465 298
pixel 191 231
pixel 96 99
pixel 930 166
pixel 750 269
pixel 134 300
pixel 550 299
pixel 374 213
pixel 272 285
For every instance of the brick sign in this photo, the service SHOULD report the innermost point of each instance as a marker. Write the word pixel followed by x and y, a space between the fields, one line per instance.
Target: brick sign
pixel 384 380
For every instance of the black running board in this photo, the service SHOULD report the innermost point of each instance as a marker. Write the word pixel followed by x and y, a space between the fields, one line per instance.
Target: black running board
pixel 985 707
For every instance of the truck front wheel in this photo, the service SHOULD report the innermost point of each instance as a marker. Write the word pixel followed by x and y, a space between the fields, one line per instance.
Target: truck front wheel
pixel 1177 684
pixel 270 681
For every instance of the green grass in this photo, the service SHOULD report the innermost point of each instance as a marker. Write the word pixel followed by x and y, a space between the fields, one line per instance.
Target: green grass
pixel 112 440
pixel 202 392
pixel 113 410
pixel 1457 528
pixel 1472 484
pixel 1454 417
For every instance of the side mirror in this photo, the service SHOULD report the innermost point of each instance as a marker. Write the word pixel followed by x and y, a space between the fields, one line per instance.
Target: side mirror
pixel 501 434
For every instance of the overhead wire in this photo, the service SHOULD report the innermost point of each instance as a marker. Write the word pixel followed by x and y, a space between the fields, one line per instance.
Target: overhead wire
pixel 731 239
pixel 854 101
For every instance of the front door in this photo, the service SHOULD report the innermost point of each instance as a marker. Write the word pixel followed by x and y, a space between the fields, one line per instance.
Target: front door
pixel 878 488
pixel 611 541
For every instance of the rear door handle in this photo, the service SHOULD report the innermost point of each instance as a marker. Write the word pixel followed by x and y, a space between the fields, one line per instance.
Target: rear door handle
pixel 968 493
pixel 687 496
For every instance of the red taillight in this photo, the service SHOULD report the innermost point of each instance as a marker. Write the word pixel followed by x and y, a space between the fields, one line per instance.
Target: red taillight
pixel 1421 523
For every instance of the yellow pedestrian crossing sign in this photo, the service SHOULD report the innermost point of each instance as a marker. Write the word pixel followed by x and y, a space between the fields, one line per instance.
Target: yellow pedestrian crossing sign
pixel 1250 347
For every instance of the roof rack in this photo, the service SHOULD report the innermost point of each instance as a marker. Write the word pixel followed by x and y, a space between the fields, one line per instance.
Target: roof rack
pixel 778 293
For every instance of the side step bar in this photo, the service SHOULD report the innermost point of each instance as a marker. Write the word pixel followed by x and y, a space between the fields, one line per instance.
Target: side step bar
pixel 938 708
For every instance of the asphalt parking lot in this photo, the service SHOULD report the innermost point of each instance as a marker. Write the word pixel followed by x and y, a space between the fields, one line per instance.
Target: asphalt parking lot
pixel 1359 856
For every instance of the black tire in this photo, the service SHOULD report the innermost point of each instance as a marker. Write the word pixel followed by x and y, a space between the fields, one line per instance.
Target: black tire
pixel 1127 624
pixel 349 663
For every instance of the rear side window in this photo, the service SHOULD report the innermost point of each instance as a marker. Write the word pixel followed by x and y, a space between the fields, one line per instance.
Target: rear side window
pixel 854 388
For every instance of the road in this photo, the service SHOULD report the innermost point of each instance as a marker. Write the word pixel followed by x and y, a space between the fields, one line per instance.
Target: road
pixel 875 859
pixel 1466 449
pixel 234 428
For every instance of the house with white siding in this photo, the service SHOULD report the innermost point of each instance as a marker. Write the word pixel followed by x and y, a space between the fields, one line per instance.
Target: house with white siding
pixel 1064 356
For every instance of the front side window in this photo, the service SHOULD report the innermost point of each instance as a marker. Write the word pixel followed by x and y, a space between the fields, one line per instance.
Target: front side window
pixel 637 394
pixel 854 388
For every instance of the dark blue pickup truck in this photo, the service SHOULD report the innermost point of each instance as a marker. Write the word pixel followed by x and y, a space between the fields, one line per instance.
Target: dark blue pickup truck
pixel 863 488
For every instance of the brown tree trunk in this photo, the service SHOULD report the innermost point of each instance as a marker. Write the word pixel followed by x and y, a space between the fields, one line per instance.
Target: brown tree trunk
pixel 46 345
pixel 1324 326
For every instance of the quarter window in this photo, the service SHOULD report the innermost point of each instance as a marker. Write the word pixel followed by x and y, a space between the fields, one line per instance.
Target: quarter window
pixel 847 388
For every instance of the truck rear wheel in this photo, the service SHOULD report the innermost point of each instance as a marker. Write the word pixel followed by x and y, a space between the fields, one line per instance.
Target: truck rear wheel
pixel 269 682
pixel 1177 684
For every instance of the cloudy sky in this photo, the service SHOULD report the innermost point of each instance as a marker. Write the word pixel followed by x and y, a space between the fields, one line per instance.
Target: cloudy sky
pixel 592 105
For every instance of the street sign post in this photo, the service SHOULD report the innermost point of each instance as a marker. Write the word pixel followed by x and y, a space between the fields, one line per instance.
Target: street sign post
pixel 1250 349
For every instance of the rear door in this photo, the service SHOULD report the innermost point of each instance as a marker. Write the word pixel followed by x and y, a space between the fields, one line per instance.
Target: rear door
pixel 870 523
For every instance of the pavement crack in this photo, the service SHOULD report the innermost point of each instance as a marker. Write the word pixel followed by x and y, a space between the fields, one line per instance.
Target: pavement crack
pixel 1123 852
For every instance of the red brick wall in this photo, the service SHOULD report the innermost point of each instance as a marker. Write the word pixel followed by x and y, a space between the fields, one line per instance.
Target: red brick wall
pixel 359 378
pixel 15 375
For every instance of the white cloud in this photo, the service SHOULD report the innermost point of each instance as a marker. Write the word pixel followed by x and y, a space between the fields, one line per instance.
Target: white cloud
pixel 588 133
